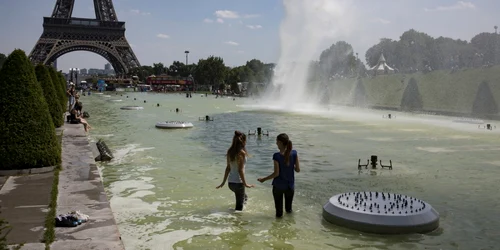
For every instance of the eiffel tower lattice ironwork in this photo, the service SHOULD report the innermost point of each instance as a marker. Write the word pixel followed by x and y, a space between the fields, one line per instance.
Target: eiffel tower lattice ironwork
pixel 104 35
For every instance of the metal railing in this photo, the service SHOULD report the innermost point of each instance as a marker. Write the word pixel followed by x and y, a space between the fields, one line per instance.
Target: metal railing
pixel 84 22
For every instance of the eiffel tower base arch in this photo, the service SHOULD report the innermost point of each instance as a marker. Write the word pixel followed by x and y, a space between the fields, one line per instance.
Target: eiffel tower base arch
pixel 104 36
pixel 103 49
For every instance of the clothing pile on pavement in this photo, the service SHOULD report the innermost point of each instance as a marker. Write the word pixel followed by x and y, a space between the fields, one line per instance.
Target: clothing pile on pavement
pixel 71 219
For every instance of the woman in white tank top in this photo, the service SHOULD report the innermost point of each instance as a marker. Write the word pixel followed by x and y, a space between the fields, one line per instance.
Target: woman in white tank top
pixel 236 159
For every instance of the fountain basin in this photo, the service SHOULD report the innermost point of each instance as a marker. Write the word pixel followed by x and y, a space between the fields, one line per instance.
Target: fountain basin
pixel 173 124
pixel 381 213
pixel 131 108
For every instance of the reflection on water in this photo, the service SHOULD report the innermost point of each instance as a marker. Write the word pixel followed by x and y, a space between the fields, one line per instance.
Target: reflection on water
pixel 162 182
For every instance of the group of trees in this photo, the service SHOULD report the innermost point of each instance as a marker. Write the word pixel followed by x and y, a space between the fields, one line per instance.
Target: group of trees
pixel 2 59
pixel 32 103
pixel 417 51
pixel 211 71
pixel 336 61
pixel 413 52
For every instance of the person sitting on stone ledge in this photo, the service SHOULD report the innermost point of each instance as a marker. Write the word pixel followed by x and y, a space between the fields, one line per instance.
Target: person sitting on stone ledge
pixel 77 118
pixel 79 107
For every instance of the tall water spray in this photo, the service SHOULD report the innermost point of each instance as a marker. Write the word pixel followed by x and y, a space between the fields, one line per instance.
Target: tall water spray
pixel 308 25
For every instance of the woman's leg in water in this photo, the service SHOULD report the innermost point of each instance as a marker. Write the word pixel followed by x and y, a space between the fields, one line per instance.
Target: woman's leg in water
pixel 239 193
pixel 278 201
pixel 86 124
pixel 289 199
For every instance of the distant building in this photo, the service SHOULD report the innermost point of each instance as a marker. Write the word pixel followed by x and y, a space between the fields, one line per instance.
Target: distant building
pixel 96 72
pixel 381 68
pixel 107 71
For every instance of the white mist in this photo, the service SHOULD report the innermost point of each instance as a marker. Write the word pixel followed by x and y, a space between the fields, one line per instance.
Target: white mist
pixel 309 27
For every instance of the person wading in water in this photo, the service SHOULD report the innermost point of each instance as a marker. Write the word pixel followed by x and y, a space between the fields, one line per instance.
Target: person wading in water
pixel 235 169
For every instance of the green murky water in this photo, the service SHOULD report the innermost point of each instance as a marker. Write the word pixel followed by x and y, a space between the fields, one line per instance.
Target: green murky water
pixel 161 183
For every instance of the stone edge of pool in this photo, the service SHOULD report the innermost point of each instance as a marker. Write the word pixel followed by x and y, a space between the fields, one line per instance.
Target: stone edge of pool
pixel 81 188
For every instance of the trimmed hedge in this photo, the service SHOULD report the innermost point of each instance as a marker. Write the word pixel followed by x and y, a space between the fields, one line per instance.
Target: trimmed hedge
pixel 412 99
pixel 50 94
pixel 61 92
pixel 63 83
pixel 27 136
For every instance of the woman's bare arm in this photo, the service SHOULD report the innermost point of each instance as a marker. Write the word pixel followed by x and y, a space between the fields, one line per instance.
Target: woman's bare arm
pixel 241 165
pixel 297 164
pixel 275 174
pixel 226 172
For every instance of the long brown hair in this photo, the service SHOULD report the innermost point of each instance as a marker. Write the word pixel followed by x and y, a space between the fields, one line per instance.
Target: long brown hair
pixel 283 138
pixel 238 146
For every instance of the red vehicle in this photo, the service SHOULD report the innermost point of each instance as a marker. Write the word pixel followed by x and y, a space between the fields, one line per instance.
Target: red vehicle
pixel 165 83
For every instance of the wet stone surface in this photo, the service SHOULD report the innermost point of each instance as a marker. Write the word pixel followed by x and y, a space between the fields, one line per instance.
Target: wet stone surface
pixel 80 188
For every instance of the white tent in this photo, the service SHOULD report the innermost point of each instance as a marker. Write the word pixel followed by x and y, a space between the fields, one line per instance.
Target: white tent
pixel 382 67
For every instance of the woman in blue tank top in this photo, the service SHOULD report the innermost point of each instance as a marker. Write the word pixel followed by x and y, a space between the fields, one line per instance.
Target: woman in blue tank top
pixel 286 163
pixel 236 159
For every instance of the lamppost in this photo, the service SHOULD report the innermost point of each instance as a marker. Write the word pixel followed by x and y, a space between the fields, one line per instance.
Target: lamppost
pixel 496 46
pixel 357 64
pixel 187 55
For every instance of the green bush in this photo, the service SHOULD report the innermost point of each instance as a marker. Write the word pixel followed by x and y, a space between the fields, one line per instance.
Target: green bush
pixel 27 136
pixel 50 94
pixel 485 102
pixel 61 92
pixel 4 231
pixel 2 59
pixel 62 81
pixel 412 99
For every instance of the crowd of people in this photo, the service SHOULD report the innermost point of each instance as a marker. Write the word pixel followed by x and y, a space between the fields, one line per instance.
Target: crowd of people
pixel 286 163
pixel 75 108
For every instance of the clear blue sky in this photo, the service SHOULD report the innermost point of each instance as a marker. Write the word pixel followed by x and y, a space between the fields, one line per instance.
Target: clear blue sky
pixel 240 30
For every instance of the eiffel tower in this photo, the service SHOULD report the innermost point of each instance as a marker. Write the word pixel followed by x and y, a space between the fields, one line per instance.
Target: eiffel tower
pixel 104 35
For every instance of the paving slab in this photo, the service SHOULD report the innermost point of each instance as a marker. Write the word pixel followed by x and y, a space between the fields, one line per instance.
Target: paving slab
pixel 86 244
pixel 24 202
pixel 3 179
pixel 80 188
pixel 28 246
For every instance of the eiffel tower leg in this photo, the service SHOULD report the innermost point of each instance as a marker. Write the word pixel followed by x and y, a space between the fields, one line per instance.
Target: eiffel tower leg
pixel 127 55
pixel 41 50
pixel 104 10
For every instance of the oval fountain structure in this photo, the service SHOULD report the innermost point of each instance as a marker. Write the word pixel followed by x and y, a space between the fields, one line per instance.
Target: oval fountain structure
pixel 174 124
pixel 381 213
pixel 132 108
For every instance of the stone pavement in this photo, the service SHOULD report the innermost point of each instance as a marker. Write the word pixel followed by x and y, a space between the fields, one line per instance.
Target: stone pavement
pixel 81 188
pixel 24 201
pixel 24 205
